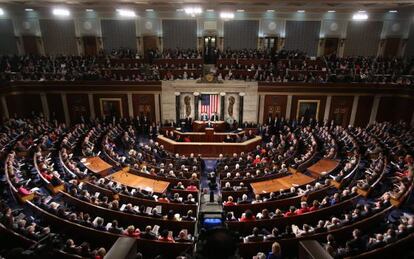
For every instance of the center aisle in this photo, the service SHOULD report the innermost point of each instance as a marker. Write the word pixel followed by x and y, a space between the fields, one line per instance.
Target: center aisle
pixel 212 210
pixel 210 166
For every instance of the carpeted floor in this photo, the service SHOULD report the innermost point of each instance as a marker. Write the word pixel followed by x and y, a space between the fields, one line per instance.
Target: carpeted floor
pixel 210 167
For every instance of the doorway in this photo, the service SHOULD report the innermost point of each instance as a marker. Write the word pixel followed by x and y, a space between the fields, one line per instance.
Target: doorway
pixel 30 44
pixel 149 44
pixel 90 45
pixel 331 46
pixel 391 47
pixel 270 43
pixel 210 44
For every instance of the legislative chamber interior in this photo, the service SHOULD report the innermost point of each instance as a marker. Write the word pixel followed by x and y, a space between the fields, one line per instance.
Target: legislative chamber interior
pixel 218 129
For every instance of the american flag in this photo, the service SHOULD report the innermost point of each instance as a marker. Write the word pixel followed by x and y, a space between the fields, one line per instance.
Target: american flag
pixel 209 103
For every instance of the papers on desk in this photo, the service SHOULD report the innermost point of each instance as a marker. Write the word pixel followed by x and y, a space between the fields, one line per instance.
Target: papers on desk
pixel 159 209
pixel 295 229
pixel 136 209
pixel 148 189
pixel 108 226
pixel 148 210
pixel 20 216
pixel 122 207
pixel 48 199
pixel 97 194
pixel 155 229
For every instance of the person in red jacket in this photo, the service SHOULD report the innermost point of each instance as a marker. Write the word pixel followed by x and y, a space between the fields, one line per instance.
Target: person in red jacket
pixel 229 202
pixel 248 216
pixel 290 212
pixel 303 208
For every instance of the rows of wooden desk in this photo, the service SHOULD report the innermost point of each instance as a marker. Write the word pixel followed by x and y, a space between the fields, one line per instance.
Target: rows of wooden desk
pixel 97 165
pixel 282 183
pixel 210 149
pixel 135 181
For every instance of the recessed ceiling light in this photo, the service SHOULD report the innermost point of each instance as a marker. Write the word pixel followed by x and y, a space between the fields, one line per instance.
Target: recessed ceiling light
pixel 126 13
pixel 61 12
pixel 301 11
pixel 210 10
pixel 149 10
pixel 226 15
pixel 360 17
pixel 331 11
pixel 270 11
pixel 1 11
pixel 393 11
pixel 180 10
pixel 193 11
pixel 240 10
pixel 362 11
pixel 89 10
pixel 28 10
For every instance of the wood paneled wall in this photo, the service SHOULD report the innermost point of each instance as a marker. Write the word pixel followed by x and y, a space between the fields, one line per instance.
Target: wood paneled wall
pixel 274 105
pixel 341 108
pixel 54 102
pixel 23 105
pixel 395 109
pixel 144 104
pixel 78 106
pixel 364 110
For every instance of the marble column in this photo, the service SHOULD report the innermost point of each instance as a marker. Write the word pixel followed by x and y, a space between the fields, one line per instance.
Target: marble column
pixel 65 108
pixel 177 107
pixel 241 106
pixel 222 104
pixel 261 107
pixel 288 107
pixel 130 105
pixel 354 110
pixel 374 109
pixel 45 105
pixel 157 108
pixel 91 106
pixel 196 99
pixel 5 108
pixel 327 108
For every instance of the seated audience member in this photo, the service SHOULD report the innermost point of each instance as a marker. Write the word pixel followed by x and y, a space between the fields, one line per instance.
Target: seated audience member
pixel 276 252
pixel 229 202
pixel 255 236
pixel 165 236
pixel 247 216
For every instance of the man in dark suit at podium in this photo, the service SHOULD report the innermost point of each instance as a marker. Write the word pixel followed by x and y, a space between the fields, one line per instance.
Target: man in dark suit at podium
pixel 214 117
pixel 204 117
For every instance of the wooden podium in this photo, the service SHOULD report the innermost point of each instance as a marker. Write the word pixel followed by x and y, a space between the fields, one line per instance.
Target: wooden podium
pixel 201 126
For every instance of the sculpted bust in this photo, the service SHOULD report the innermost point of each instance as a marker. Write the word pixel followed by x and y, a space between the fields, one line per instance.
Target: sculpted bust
pixel 187 101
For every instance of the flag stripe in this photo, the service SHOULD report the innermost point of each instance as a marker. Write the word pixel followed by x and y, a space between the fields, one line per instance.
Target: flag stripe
pixel 210 104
